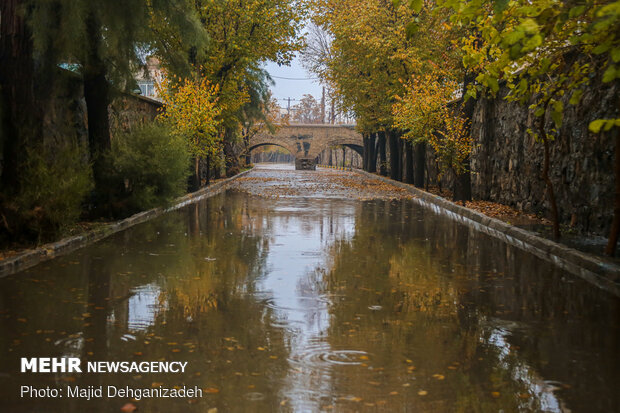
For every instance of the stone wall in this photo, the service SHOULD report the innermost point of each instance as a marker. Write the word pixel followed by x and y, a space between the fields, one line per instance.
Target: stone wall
pixel 66 115
pixel 507 162
pixel 129 110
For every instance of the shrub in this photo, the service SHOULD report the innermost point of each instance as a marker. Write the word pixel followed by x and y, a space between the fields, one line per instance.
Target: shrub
pixel 55 182
pixel 147 167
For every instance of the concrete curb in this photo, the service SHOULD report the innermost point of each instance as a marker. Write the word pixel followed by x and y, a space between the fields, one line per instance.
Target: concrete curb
pixel 603 274
pixel 30 258
pixel 340 168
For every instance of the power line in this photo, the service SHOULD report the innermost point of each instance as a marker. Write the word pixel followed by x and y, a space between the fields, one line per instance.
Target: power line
pixel 295 78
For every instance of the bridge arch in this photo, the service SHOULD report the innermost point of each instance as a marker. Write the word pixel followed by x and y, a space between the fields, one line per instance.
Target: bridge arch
pixel 258 145
pixel 306 142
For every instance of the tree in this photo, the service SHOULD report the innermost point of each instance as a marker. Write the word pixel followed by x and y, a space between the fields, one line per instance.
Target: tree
pixel 244 35
pixel 18 94
pixel 547 56
pixel 308 110
pixel 107 42
pixel 424 113
pixel 371 50
pixel 192 110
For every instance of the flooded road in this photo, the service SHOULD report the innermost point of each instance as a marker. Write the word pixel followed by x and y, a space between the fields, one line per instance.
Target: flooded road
pixel 294 292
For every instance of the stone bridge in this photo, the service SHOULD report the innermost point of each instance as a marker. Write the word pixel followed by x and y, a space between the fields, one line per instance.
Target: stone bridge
pixel 306 142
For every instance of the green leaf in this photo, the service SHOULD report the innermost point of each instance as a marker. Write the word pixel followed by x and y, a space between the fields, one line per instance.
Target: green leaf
pixel 530 26
pixel 615 54
pixel 608 125
pixel 416 5
pixel 493 84
pixel 395 3
pixel 576 97
pixel 499 6
pixel 515 51
pixel 576 11
pixel 513 37
pixel 601 48
pixel 539 112
pixel 596 125
pixel 533 42
pixel 411 29
pixel 471 93
pixel 610 74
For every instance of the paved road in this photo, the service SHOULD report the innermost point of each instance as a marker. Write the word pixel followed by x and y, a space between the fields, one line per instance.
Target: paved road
pixel 282 180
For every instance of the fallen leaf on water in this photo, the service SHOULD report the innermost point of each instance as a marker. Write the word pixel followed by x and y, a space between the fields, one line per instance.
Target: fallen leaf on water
pixel 439 376
pixel 495 394
pixel 128 408
pixel 422 393
pixel 212 390
pixel 393 393
pixel 352 399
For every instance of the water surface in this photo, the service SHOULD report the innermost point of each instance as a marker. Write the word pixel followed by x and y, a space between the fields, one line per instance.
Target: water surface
pixel 314 304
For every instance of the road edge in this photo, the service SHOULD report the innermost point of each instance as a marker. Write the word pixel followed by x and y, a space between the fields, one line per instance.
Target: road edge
pixel 30 258
pixel 600 273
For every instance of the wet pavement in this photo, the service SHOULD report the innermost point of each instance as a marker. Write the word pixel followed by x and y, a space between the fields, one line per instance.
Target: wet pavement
pixel 283 181
pixel 295 291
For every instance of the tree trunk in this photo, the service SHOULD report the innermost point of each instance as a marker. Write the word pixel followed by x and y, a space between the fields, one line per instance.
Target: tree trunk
pixel 208 168
pixel 372 156
pixel 20 113
pixel 365 154
pixel 194 179
pixel 419 163
pixel 97 97
pixel 462 181
pixel 545 175
pixel 409 162
pixel 462 185
pixel 394 157
pixel 401 157
pixel 230 157
pixel 615 224
pixel 382 154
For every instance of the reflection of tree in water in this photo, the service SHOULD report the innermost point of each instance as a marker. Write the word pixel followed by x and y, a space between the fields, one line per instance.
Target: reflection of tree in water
pixel 492 323
pixel 194 270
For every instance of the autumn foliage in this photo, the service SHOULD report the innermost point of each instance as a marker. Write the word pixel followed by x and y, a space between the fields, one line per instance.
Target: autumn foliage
pixel 191 109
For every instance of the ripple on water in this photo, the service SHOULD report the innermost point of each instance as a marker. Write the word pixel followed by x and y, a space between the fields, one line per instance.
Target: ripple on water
pixel 318 303
pixel 321 356
pixel 254 396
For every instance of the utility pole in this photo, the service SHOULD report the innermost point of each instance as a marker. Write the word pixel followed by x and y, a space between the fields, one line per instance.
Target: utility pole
pixel 323 106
